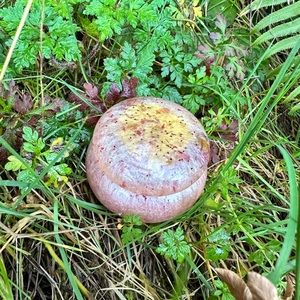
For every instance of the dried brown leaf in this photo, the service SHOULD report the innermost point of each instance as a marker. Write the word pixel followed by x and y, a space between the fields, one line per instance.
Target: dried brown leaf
pixel 236 285
pixel 92 121
pixel 57 104
pixel 229 132
pixel 113 95
pixel 215 156
pixel 91 90
pixel 76 100
pixel 23 104
pixel 129 87
pixel 289 291
pixel 261 288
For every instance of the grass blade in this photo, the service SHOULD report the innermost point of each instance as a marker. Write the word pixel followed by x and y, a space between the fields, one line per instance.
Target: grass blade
pixel 258 4
pixel 284 13
pixel 291 226
pixel 279 31
pixel 284 44
pixel 63 255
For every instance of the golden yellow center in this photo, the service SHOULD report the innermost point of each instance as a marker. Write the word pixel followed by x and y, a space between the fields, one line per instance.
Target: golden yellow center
pixel 154 129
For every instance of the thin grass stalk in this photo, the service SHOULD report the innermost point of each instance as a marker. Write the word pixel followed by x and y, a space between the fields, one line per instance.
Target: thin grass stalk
pixel 15 39
pixel 288 244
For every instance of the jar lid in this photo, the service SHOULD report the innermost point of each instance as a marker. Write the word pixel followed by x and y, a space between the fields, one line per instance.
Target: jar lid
pixel 150 146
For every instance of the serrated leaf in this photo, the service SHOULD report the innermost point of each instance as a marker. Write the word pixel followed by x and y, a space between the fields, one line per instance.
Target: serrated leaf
pixel 279 31
pixel 129 234
pixel 216 253
pixel 290 11
pixel 258 4
pixel 26 176
pixel 14 164
pixel 62 169
pixel 133 220
pixel 192 102
pixel 282 45
pixel 114 71
pixel 28 147
pixel 27 133
pixel 173 245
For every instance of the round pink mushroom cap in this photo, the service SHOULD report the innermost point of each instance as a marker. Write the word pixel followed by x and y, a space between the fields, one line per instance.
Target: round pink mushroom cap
pixel 149 157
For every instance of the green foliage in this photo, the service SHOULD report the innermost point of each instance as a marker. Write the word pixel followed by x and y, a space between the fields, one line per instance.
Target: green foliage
pixel 222 291
pixel 219 245
pixel 66 125
pixel 58 32
pixel 183 51
pixel 112 16
pixel 285 34
pixel 229 184
pixel 130 230
pixel 257 4
pixel 173 245
pixel 5 283
pixel 268 251
pixel 36 157
pixel 131 63
pixel 226 8
pixel 176 63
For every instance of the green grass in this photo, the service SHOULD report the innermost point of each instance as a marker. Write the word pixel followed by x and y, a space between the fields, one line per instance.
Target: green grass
pixel 60 242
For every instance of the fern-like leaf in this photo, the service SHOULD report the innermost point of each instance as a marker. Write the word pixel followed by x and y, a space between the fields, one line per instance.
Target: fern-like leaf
pixel 282 14
pixel 293 101
pixel 284 44
pixel 279 31
pixel 258 4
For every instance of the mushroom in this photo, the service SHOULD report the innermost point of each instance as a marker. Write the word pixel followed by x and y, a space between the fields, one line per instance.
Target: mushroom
pixel 148 156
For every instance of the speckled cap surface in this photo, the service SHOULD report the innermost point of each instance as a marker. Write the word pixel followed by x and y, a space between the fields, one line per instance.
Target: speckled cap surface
pixel 147 146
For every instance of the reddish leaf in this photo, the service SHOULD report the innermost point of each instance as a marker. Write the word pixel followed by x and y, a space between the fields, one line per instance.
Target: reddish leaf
pixel 23 104
pixel 91 90
pixel 11 93
pixel 215 156
pixel 129 87
pixel 113 94
pixel 99 104
pixel 92 121
pixel 229 132
pixel 57 104
pixel 14 138
pixel 76 100
pixel 13 88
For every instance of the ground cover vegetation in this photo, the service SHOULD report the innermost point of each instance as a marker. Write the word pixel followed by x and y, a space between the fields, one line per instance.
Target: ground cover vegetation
pixel 234 64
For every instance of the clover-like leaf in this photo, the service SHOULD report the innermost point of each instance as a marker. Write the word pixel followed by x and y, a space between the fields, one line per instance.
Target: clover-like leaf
pixel 14 164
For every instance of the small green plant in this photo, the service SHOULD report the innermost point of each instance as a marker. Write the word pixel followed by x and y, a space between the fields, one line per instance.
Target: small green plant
pixel 219 245
pixel 173 245
pixel 130 229
pixel 111 17
pixel 36 156
pixel 222 291
pixel 281 26
pixel 56 41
